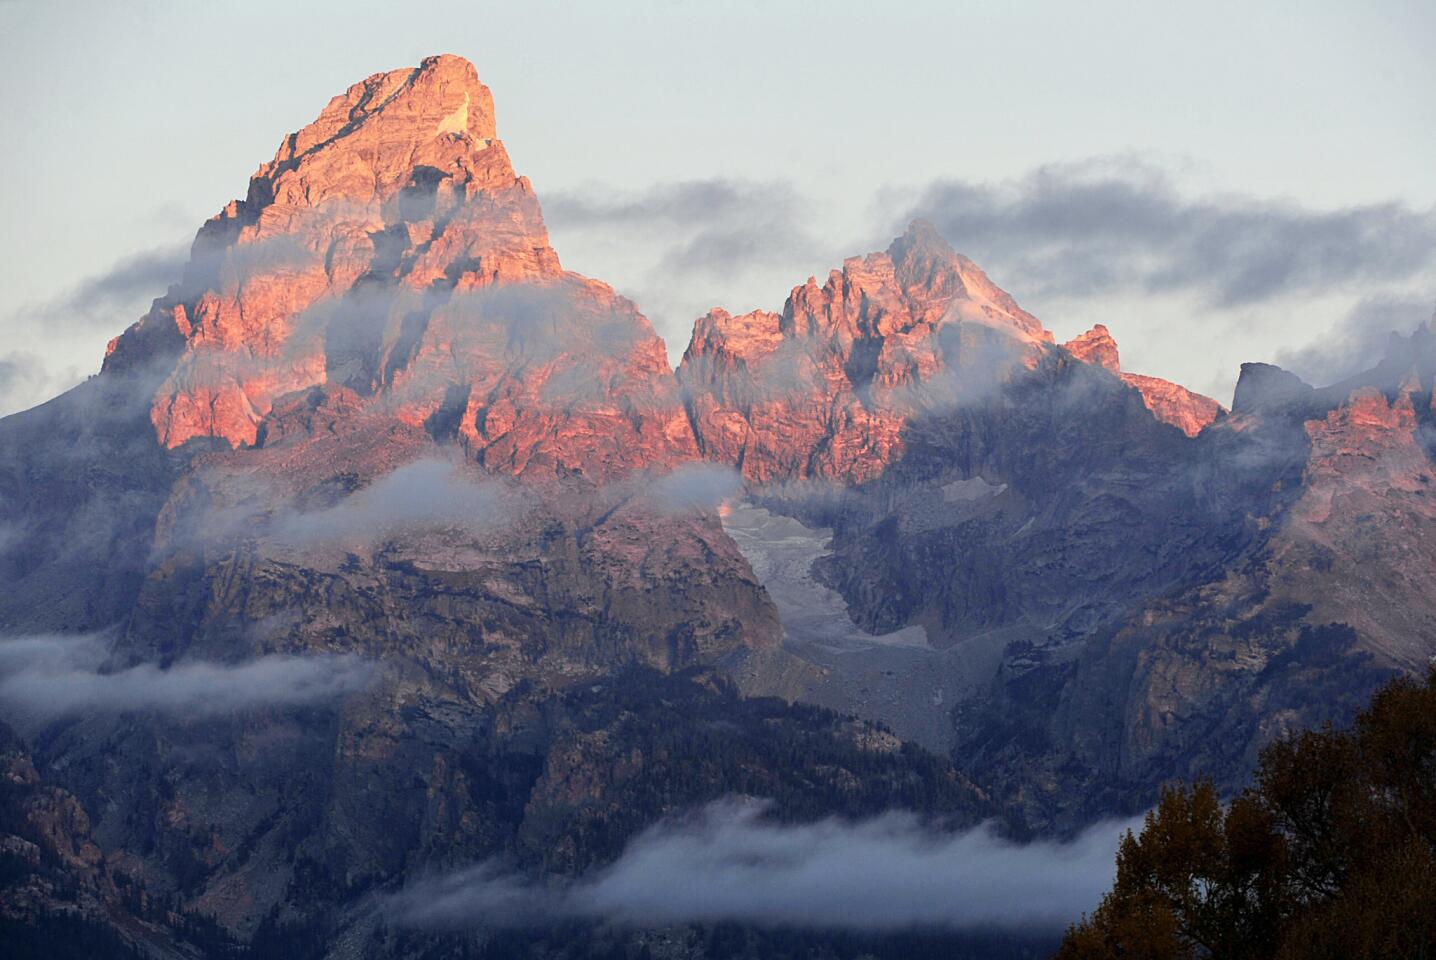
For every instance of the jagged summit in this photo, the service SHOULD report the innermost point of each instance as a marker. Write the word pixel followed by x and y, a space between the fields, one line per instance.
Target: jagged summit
pixel 368 141
pixel 388 262
pixel 920 236
pixel 390 250
pixel 1096 346
pixel 824 388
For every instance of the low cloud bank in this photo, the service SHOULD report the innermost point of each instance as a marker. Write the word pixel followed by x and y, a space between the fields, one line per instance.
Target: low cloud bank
pixel 421 495
pixel 47 677
pixel 694 486
pixel 728 864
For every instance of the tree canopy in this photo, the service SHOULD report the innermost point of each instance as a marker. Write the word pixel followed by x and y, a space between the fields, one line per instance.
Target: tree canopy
pixel 1330 854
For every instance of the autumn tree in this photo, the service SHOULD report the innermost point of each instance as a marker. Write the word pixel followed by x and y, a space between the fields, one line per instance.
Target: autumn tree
pixel 1332 854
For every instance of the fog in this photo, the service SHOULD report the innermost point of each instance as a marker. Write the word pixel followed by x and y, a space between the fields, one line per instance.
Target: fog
pixel 727 863
pixel 52 676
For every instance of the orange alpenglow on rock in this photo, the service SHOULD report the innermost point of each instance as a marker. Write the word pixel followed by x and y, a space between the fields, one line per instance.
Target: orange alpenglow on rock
pixel 825 388
pixel 389 250
pixel 388 265
pixel 1169 402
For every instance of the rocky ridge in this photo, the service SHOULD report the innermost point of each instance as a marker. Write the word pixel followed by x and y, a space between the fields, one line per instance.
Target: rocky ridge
pixel 1169 402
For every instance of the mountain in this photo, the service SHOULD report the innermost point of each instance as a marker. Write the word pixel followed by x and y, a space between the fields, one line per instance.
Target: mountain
pixel 1169 402
pixel 1153 605
pixel 389 251
pixel 383 546
pixel 825 388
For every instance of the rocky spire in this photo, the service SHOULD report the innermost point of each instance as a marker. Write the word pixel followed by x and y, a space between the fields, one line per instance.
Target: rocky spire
pixel 1096 346
pixel 390 250
pixel 825 388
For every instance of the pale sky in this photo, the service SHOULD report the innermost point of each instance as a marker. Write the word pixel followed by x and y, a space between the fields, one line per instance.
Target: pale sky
pixel 1217 182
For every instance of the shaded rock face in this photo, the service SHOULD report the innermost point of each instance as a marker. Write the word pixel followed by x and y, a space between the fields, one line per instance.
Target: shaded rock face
pixel 1169 402
pixel 82 482
pixel 1159 606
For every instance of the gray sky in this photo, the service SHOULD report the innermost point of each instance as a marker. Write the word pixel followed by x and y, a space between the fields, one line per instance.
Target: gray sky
pixel 1217 182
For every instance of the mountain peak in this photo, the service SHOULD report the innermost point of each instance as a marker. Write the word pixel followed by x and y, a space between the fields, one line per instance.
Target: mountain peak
pixel 1096 346
pixel 368 142
pixel 390 251
pixel 1264 385
pixel 1169 402
pixel 920 237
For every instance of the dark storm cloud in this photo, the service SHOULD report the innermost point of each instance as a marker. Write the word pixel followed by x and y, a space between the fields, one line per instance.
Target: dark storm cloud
pixel 1101 226
pixel 42 677
pixel 729 864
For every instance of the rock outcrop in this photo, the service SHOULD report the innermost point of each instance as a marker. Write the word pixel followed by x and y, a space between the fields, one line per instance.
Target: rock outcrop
pixel 824 389
pixel 1169 402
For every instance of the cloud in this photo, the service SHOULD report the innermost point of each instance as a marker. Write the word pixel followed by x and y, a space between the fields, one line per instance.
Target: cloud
pixel 423 495
pixel 694 486
pixel 679 203
pixel 46 677
pixel 1100 226
pixel 25 379
pixel 1359 341
pixel 143 276
pixel 729 864
pixel 711 226
pixel 109 299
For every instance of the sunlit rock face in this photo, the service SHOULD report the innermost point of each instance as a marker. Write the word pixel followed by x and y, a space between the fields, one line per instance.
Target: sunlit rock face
pixel 825 388
pixel 389 249
pixel 1169 402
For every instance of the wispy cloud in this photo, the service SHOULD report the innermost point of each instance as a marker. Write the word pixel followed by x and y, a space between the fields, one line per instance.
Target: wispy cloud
pixel 26 379
pixel 681 248
pixel 711 226
pixel 418 496
pixel 694 486
pixel 729 864
pixel 432 494
pixel 1359 340
pixel 46 677
pixel 143 276
pixel 1100 226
